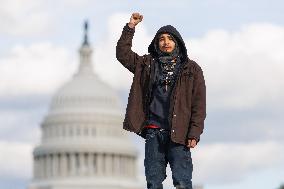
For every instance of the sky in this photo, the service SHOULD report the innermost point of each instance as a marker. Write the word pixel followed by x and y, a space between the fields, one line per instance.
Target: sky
pixel 238 44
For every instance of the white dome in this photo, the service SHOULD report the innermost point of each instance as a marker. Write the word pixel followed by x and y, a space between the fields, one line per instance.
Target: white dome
pixel 87 92
pixel 85 86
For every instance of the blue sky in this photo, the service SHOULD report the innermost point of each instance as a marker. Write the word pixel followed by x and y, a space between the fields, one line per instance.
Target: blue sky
pixel 239 45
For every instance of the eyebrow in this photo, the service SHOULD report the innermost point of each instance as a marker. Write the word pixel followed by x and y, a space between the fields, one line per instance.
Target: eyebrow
pixel 161 36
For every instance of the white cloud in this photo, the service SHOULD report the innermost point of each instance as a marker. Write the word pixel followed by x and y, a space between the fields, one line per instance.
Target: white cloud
pixel 78 3
pixel 35 69
pixel 106 64
pixel 24 17
pixel 242 68
pixel 232 162
pixel 15 160
pixel 40 68
pixel 22 125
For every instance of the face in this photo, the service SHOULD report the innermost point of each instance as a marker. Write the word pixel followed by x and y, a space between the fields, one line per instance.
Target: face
pixel 166 43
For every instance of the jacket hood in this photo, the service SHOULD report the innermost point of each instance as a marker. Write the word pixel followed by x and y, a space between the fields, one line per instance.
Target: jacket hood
pixel 173 31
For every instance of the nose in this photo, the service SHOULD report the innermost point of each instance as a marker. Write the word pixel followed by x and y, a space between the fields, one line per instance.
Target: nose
pixel 167 41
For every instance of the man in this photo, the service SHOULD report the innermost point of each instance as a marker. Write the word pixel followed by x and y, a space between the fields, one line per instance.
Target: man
pixel 166 104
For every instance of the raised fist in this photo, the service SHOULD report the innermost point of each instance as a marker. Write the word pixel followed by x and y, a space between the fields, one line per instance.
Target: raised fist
pixel 135 19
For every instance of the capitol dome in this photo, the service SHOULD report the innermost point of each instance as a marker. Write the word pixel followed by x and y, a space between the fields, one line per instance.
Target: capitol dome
pixel 86 92
pixel 83 144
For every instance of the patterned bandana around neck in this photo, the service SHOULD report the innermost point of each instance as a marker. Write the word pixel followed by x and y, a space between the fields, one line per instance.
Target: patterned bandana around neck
pixel 169 72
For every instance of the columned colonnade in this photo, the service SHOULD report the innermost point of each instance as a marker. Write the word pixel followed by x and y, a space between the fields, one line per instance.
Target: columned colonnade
pixel 83 164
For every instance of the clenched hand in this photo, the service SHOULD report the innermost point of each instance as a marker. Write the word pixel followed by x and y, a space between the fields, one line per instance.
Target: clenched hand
pixel 191 143
pixel 135 19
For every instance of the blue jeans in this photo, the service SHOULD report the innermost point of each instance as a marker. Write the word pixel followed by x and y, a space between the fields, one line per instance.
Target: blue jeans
pixel 159 151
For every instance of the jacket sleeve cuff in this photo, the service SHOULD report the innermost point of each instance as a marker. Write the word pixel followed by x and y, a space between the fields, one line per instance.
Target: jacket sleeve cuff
pixel 128 29
pixel 193 134
pixel 194 137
